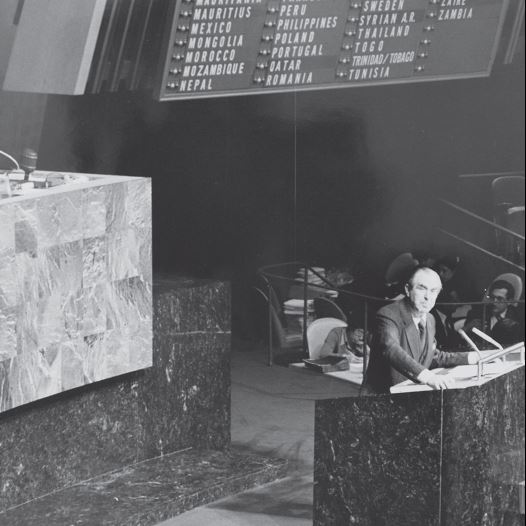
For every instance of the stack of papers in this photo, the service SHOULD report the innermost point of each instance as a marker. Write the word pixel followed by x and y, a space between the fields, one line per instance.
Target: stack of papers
pixel 295 307
pixel 328 364
pixel 311 276
pixel 331 293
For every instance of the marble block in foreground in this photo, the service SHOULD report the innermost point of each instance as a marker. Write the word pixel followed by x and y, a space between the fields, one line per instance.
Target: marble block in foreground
pixel 182 401
pixel 75 286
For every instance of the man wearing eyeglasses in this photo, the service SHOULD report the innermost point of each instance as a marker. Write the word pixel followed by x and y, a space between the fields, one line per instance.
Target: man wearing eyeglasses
pixel 503 320
pixel 404 343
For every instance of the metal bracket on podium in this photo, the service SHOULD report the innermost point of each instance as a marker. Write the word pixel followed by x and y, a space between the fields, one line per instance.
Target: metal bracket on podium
pixel 500 354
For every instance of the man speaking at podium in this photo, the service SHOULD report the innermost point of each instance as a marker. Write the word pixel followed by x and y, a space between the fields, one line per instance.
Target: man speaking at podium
pixel 404 343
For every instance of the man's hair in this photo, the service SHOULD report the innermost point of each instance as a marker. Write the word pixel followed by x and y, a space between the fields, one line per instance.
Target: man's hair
pixel 502 284
pixel 414 271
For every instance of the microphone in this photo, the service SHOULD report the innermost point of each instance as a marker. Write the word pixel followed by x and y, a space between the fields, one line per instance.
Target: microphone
pixel 489 339
pixel 470 342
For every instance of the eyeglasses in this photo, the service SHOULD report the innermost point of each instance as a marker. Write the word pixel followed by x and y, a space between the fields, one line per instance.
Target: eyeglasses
pixel 496 299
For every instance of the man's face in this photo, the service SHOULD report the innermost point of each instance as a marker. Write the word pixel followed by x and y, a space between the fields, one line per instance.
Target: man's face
pixel 497 297
pixel 423 291
pixel 356 341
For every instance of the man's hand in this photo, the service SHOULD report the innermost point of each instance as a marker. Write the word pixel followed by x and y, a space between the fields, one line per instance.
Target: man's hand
pixel 440 382
pixel 508 324
pixel 435 381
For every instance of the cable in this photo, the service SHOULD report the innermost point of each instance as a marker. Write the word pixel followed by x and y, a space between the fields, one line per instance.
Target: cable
pixel 12 159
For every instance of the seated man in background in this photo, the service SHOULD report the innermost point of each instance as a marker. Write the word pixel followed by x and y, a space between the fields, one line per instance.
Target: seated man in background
pixel 504 322
pixel 345 341
pixel 404 345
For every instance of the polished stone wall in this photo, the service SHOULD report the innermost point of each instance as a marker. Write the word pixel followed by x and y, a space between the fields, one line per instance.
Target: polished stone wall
pixel 483 448
pixel 182 401
pixel 450 458
pixel 75 286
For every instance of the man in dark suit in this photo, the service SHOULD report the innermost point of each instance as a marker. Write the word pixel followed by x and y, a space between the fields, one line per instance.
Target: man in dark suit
pixel 404 343
pixel 504 321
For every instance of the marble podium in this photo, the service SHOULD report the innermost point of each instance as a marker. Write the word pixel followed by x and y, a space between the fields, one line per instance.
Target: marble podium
pixel 439 458
pixel 139 448
pixel 75 284
pixel 114 385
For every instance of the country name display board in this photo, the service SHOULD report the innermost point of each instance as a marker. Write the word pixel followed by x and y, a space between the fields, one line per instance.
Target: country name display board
pixel 234 47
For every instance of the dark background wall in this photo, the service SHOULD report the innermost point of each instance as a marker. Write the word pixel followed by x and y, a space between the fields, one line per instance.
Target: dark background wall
pixel 337 177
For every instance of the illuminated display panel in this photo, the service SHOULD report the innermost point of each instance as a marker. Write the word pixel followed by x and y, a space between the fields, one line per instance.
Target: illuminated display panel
pixel 229 47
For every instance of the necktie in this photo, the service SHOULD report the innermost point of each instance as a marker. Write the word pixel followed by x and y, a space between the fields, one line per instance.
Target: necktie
pixel 422 330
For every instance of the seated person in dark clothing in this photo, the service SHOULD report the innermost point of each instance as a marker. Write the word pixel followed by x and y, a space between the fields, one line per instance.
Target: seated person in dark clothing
pixel 504 322
pixel 456 284
pixel 347 342
pixel 457 287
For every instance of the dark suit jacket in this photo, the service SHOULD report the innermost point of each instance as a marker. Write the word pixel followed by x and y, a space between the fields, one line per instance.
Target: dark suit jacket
pixel 509 330
pixel 506 331
pixel 396 352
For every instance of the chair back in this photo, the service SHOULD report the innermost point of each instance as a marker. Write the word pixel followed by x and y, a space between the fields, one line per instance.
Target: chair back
pixel 515 220
pixel 326 308
pixel 278 331
pixel 508 190
pixel 266 287
pixel 400 268
pixel 317 332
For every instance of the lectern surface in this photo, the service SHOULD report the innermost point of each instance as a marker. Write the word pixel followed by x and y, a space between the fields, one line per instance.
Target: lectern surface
pixel 463 375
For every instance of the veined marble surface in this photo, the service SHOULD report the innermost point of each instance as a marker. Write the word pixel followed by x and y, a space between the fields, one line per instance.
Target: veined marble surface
pixel 435 458
pixel 75 286
pixel 149 492
pixel 182 401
